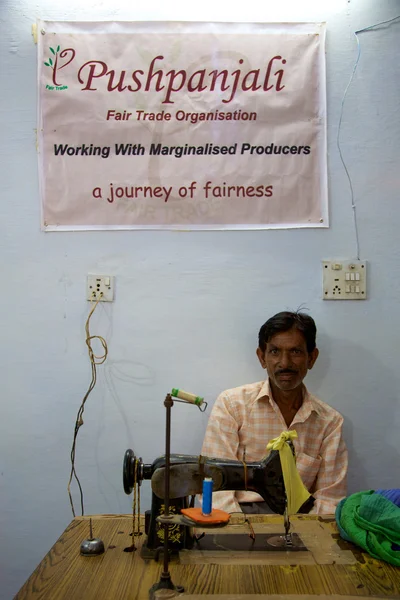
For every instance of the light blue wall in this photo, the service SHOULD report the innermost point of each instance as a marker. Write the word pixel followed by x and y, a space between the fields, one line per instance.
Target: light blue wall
pixel 188 305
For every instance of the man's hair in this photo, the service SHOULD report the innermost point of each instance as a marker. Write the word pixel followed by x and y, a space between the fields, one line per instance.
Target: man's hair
pixel 284 321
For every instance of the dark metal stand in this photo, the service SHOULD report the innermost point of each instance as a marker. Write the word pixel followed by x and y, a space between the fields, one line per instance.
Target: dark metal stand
pixel 165 581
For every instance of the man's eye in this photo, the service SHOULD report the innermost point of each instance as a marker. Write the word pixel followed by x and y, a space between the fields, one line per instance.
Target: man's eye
pixel 273 351
pixel 296 351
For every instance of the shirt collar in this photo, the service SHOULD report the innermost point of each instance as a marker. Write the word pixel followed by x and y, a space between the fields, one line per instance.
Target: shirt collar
pixel 308 406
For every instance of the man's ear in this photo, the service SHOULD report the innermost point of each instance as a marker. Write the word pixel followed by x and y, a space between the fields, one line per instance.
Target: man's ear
pixel 261 358
pixel 312 357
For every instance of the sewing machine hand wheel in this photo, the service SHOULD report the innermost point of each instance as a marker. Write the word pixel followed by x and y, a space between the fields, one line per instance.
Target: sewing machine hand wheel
pixel 130 464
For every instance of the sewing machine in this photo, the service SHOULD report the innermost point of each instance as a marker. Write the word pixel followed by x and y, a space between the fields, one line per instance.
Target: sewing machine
pixel 175 481
pixel 186 474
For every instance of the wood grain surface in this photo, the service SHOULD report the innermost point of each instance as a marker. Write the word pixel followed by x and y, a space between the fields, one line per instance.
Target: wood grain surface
pixel 276 597
pixel 64 574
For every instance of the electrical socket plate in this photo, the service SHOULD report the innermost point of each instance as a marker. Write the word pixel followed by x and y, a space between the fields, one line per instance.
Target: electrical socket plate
pixel 344 279
pixel 100 287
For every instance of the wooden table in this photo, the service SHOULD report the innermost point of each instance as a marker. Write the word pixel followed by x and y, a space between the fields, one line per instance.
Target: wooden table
pixel 330 567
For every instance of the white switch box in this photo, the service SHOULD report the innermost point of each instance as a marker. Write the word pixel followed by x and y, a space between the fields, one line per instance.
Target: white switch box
pixel 100 287
pixel 344 279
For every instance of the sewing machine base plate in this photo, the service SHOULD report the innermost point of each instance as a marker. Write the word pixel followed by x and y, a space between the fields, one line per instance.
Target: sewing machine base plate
pixel 263 542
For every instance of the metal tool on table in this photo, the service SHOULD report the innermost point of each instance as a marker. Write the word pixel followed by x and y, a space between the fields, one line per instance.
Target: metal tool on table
pixel 92 546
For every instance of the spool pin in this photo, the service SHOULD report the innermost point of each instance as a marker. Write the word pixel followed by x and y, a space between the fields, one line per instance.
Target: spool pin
pixel 198 400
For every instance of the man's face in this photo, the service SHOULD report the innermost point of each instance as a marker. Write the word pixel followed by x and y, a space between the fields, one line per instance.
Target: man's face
pixel 286 359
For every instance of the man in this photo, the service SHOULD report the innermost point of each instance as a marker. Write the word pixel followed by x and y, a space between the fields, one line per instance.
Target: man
pixel 244 419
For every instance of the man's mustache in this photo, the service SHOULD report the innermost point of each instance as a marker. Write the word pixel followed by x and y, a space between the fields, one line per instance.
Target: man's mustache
pixel 283 371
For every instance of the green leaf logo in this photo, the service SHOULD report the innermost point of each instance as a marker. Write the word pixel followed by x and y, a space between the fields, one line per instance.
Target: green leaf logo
pixel 49 62
pixel 58 60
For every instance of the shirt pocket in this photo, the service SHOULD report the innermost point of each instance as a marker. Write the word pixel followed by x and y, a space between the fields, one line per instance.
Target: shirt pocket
pixel 308 467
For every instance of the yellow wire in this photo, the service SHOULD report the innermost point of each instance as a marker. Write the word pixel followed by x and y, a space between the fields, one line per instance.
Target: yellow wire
pixel 94 360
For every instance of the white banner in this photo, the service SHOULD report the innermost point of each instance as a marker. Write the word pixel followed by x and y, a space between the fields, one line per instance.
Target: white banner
pixel 182 125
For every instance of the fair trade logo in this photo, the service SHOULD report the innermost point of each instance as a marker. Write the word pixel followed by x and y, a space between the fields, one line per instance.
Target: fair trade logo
pixel 60 60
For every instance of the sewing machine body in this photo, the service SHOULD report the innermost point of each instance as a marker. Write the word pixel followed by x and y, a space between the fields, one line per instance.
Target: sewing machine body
pixel 186 476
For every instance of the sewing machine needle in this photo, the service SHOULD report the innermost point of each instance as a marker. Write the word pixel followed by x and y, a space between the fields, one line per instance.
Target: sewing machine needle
pixel 288 535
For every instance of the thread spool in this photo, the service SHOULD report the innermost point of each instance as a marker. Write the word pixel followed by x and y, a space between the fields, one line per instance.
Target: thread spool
pixel 198 400
pixel 207 496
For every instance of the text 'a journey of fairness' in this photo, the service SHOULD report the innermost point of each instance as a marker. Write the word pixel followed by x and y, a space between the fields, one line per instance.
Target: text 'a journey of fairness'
pixel 208 190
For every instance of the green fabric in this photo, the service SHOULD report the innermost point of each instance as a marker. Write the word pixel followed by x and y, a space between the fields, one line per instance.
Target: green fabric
pixel 338 513
pixel 372 522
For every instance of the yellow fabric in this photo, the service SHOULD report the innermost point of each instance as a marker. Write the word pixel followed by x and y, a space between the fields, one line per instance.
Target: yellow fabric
pixel 296 493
